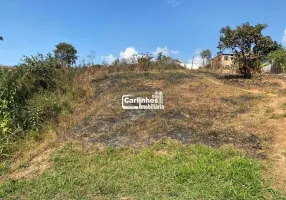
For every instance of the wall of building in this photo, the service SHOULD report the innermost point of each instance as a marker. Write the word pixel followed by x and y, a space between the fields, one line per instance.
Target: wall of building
pixel 227 61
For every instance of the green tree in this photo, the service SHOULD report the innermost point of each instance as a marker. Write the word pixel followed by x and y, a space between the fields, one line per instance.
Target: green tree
pixel 66 53
pixel 279 56
pixel 206 55
pixel 160 57
pixel 161 60
pixel 249 46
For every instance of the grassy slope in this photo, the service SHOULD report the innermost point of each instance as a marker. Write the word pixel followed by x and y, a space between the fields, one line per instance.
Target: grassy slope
pixel 199 109
pixel 166 170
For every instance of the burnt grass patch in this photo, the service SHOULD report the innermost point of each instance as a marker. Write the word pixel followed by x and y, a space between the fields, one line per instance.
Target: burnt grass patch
pixel 119 133
pixel 194 113
pixel 140 128
pixel 262 83
pixel 249 142
pixel 241 102
pixel 136 81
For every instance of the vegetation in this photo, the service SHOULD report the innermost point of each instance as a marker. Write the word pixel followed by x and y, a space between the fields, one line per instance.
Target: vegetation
pixel 32 95
pixel 146 62
pixel 198 111
pixel 66 53
pixel 166 170
pixel 248 45
pixel 45 92
pixel 206 56
pixel 279 57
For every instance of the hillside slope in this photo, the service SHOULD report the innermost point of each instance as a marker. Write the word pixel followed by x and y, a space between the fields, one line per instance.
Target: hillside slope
pixel 199 108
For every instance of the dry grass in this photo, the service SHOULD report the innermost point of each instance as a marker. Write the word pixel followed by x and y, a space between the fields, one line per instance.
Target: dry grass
pixel 31 150
pixel 199 108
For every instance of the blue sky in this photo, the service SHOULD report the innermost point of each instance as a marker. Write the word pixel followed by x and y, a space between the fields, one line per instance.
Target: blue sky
pixel 118 28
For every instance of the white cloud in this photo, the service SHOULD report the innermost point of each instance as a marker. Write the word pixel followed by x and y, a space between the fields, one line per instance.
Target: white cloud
pixel 284 38
pixel 174 3
pixel 165 51
pixel 175 52
pixel 128 53
pixel 194 64
pixel 108 59
pixel 196 61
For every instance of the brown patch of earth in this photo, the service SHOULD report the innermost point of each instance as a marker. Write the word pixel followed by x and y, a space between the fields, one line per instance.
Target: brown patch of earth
pixel 35 167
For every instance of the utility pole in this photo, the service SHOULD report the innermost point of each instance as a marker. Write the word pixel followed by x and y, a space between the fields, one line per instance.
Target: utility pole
pixel 192 62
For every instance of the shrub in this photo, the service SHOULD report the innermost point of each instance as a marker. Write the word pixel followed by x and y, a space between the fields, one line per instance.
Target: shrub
pixel 145 62
pixel 7 101
pixel 32 95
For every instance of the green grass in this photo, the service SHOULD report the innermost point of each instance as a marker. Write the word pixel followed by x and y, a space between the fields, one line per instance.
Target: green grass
pixel 284 106
pixel 166 170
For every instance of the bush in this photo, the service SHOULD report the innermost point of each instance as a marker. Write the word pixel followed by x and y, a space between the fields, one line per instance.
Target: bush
pixel 7 101
pixel 145 62
pixel 32 95
pixel 42 109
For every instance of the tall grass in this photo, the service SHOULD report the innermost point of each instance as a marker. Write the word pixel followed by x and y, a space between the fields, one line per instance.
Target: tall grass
pixel 32 95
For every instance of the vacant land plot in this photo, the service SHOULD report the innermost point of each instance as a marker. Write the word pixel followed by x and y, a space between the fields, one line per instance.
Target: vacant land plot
pixel 224 114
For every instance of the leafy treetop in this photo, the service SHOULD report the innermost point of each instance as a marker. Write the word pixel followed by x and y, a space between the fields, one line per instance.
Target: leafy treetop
pixel 206 55
pixel 66 53
pixel 248 45
pixel 279 57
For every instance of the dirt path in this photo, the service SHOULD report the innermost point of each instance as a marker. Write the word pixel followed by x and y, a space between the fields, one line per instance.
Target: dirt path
pixel 278 123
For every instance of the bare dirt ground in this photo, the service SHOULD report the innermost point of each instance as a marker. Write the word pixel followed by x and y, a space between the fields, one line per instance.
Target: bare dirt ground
pixel 199 108
pixel 37 165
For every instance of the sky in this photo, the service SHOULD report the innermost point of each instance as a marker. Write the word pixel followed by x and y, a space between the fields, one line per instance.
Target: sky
pixel 119 28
